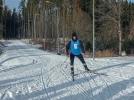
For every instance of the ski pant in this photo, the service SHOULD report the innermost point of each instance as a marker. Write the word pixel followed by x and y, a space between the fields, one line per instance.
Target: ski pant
pixel 72 56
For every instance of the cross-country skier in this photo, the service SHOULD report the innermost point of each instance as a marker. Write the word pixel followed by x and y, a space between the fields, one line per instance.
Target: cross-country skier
pixel 76 48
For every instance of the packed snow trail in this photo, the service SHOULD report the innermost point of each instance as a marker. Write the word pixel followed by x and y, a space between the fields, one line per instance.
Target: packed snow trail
pixel 27 73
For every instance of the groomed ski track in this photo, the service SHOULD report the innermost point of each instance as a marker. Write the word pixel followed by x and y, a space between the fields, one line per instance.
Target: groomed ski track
pixel 27 73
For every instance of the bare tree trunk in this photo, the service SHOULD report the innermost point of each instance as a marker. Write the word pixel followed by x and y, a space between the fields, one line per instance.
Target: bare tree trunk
pixel 35 27
pixel 45 36
pixel 119 28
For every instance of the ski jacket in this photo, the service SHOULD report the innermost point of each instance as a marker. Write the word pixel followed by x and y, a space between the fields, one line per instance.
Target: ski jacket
pixel 75 47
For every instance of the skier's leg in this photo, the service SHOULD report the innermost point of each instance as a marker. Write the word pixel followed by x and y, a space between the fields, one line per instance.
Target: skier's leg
pixel 72 63
pixel 83 62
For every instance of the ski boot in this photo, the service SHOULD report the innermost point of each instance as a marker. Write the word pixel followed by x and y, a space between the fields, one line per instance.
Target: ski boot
pixel 86 68
pixel 72 73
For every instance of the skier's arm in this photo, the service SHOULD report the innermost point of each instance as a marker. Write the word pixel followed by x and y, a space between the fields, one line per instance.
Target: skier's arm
pixel 82 47
pixel 68 47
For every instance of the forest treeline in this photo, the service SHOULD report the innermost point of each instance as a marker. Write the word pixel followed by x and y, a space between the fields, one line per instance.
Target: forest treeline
pixel 51 22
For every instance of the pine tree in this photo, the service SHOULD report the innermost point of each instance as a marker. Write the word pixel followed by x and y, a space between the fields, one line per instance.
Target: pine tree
pixel 1 22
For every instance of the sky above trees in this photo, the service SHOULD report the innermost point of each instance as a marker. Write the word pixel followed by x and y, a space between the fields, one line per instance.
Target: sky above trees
pixel 12 4
pixel 15 3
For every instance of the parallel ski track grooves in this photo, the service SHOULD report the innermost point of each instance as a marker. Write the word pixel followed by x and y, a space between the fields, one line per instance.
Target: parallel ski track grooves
pixel 78 87
pixel 58 65
pixel 88 83
pixel 97 86
pixel 42 78
pixel 93 81
pixel 90 74
pixel 44 84
pixel 78 84
pixel 96 83
pixel 104 83
pixel 112 82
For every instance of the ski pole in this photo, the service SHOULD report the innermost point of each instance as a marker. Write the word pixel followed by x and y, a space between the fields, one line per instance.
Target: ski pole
pixel 66 60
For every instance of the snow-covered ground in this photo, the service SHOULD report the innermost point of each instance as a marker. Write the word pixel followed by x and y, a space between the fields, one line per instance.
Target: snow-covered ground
pixel 27 73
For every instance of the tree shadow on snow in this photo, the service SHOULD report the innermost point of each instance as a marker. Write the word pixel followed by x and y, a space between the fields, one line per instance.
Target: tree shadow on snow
pixel 10 82
pixel 60 91
pixel 111 66
pixel 118 90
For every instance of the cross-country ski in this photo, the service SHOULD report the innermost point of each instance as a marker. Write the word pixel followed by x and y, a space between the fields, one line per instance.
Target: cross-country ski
pixel 90 72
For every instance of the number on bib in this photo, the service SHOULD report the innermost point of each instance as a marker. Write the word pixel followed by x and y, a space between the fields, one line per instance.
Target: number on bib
pixel 75 46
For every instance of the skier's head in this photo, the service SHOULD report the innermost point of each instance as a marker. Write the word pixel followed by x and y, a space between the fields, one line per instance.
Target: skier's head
pixel 74 36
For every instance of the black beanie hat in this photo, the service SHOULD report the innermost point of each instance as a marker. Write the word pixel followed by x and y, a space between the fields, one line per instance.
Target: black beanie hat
pixel 74 34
